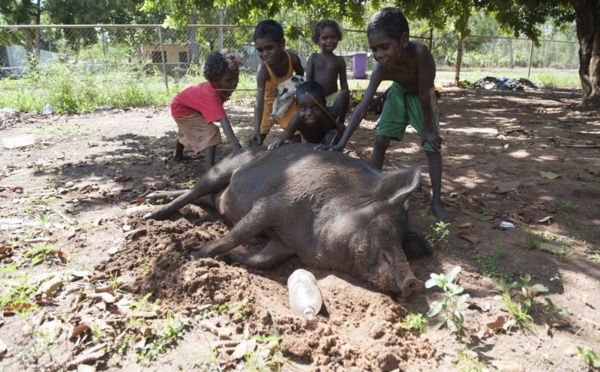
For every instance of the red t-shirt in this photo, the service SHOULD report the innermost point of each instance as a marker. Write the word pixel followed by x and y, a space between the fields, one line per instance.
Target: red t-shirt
pixel 204 98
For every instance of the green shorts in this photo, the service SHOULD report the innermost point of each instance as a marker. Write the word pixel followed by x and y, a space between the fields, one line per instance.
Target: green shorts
pixel 330 99
pixel 401 109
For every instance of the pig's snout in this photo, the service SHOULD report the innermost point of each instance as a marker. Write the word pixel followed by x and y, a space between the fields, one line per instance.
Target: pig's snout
pixel 409 286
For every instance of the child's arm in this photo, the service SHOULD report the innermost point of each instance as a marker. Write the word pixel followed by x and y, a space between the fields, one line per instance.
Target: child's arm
pixel 261 78
pixel 426 76
pixel 310 68
pixel 230 135
pixel 343 75
pixel 287 134
pixel 359 112
pixel 297 64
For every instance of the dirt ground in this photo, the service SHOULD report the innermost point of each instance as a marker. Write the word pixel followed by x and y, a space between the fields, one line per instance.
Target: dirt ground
pixel 88 286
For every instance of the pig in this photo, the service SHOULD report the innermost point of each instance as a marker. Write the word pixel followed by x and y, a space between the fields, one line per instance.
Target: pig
pixel 331 210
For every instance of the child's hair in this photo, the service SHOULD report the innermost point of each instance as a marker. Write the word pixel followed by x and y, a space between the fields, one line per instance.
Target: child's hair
pixel 319 27
pixel 314 89
pixel 269 28
pixel 217 63
pixel 390 21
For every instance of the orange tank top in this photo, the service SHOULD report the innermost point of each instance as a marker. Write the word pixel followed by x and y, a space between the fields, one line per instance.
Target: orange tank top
pixel 274 80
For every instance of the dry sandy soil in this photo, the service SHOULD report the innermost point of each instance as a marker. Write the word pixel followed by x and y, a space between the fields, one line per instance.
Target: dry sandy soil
pixel 77 271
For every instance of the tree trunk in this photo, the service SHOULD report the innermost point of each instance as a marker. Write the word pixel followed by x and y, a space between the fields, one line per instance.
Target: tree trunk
pixel 587 14
pixel 459 58
pixel 193 56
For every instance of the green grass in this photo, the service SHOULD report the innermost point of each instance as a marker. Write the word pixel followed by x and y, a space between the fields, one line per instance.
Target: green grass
pixel 75 89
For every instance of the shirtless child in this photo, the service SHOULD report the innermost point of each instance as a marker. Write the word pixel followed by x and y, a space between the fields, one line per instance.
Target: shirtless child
pixel 314 120
pixel 325 67
pixel 278 65
pixel 411 99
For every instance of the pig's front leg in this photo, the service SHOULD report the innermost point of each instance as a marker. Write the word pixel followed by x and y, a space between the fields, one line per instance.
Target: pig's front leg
pixel 260 218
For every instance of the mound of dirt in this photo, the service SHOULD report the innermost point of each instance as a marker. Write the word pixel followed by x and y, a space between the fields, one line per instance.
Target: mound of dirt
pixel 356 327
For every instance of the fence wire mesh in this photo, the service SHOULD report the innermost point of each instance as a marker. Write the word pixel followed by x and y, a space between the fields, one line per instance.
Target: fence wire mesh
pixel 153 48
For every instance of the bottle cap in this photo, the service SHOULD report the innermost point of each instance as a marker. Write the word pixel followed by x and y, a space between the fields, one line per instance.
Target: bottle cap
pixel 308 313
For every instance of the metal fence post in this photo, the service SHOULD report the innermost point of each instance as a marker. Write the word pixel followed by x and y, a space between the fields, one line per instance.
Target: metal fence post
pixel 530 59
pixel 162 57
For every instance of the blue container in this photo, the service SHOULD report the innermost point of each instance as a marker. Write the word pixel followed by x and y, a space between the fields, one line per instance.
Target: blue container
pixel 359 65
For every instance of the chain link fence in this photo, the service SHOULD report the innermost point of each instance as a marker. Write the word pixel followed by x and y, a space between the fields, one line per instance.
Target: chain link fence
pixel 174 53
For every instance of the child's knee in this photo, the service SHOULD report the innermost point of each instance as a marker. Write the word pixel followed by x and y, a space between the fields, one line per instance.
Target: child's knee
pixel 381 143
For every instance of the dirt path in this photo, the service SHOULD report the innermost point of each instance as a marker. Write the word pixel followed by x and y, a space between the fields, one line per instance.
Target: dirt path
pixel 76 270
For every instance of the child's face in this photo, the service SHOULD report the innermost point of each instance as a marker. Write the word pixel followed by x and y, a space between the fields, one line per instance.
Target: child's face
pixel 328 40
pixel 309 111
pixel 387 51
pixel 268 50
pixel 229 81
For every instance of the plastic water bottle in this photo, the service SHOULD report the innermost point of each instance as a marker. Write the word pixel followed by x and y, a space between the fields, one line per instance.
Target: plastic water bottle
pixel 305 297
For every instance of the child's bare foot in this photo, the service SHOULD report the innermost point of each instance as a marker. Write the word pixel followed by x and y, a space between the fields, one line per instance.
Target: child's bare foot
pixel 440 212
pixel 181 158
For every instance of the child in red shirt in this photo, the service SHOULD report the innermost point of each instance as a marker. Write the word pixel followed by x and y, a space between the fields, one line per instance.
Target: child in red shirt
pixel 197 107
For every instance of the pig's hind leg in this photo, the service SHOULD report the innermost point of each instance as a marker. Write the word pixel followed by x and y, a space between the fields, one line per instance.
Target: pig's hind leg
pixel 259 219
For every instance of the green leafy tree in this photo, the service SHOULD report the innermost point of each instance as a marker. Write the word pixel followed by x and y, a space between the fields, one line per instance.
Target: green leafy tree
pixel 22 12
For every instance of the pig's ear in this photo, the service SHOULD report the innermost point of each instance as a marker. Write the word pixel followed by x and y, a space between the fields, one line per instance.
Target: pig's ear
pixel 398 185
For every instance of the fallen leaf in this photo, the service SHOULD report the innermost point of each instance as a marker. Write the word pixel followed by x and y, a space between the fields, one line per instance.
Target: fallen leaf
pixel 549 175
pixel 482 217
pixel 545 219
pixel 244 348
pixel 139 342
pixel 468 236
pixel 123 178
pixel 466 225
pixel 141 201
pixel 3 349
pixel 205 234
pixel 497 324
pixel 64 256
pixel 79 330
pixel 551 248
pixel 503 188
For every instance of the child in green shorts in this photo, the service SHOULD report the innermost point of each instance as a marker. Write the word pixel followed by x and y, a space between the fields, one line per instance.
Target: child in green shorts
pixel 411 99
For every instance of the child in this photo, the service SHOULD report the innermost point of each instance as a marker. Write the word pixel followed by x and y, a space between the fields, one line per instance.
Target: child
pixel 411 98
pixel 325 67
pixel 197 107
pixel 278 66
pixel 314 120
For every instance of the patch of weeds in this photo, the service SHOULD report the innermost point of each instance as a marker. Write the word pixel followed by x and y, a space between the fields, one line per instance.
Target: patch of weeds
pixel 565 209
pixel 158 341
pixel 594 253
pixel 588 356
pixel 523 170
pixel 450 307
pixel 39 253
pixel 191 183
pixel 489 263
pixel 16 291
pixel 566 206
pixel 145 265
pixel 564 156
pixel 440 231
pixel 469 362
pixel 414 321
pixel 519 304
pixel 267 356
pixel 554 313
